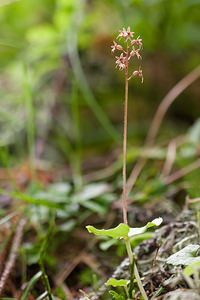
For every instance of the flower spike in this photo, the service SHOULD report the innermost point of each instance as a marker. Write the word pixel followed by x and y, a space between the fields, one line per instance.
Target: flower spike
pixel 133 47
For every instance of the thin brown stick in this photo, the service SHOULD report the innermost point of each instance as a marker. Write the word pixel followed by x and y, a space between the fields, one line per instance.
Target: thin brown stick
pixel 13 254
pixel 171 155
pixel 168 100
pixel 180 173
pixel 153 266
pixel 67 291
pixel 157 120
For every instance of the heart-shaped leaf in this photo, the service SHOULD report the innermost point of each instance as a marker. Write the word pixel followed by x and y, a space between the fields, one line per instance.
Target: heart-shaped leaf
pixel 121 231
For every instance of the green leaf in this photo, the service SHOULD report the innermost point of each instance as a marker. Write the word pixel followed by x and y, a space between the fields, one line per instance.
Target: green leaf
pixel 31 283
pixel 91 191
pixel 140 230
pixel 116 296
pixel 114 282
pixel 185 256
pixel 107 244
pixel 121 231
pixel 190 270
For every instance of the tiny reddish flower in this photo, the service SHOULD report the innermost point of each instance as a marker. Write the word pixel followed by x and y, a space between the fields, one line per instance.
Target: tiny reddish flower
pixel 137 73
pixel 127 34
pixel 138 42
pixel 120 62
pixel 115 46
pixel 135 52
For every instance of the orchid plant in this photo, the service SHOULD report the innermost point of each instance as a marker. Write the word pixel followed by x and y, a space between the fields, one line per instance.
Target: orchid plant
pixel 122 62
pixel 123 232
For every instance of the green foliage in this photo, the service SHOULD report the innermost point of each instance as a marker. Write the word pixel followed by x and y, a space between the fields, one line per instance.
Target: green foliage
pixel 31 283
pixel 116 296
pixel 114 282
pixel 123 230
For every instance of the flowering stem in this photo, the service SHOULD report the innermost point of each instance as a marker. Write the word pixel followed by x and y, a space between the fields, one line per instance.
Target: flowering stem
pixel 125 138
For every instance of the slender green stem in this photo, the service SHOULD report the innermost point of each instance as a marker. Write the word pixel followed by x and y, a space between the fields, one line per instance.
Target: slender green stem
pixel 136 273
pixel 126 291
pixel 125 138
pixel 139 282
pixel 129 250
pixel 45 280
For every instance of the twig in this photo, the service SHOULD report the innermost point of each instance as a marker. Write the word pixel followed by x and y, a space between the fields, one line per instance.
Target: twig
pixel 158 117
pixel 167 101
pixel 180 173
pixel 13 254
pixel 190 201
pixel 154 263
pixel 171 155
pixel 66 290
pixel 84 294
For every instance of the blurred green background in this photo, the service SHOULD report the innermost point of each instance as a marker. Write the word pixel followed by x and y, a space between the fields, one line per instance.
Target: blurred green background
pixel 61 96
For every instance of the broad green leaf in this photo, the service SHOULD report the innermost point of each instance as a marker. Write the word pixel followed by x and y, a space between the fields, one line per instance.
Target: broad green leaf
pixel 189 270
pixel 94 206
pixel 140 230
pixel 121 231
pixel 61 188
pixel 92 191
pixel 107 244
pixel 114 282
pixel 67 226
pixel 185 256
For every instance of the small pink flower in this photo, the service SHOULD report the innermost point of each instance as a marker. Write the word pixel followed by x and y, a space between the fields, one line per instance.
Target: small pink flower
pixel 135 52
pixel 127 34
pixel 137 73
pixel 115 46
pixel 138 54
pixel 138 42
pixel 120 62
